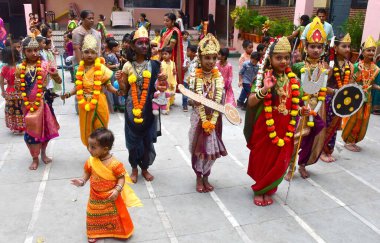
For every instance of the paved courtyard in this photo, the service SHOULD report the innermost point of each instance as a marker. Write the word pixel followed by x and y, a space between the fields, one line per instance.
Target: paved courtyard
pixel 339 203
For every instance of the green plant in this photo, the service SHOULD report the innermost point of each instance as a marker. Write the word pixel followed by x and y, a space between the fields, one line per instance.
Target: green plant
pixel 244 18
pixel 281 27
pixel 354 26
pixel 258 22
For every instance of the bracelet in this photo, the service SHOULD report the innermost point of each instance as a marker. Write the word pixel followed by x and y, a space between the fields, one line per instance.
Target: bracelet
pixel 258 96
pixel 118 186
pixel 68 95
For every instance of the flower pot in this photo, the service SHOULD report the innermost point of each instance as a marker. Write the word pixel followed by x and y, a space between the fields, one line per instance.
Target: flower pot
pixel 251 37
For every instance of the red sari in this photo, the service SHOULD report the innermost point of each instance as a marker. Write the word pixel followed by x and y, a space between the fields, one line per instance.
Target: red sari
pixel 267 161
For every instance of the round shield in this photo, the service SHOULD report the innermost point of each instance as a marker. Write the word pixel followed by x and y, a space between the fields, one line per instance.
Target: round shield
pixel 232 114
pixel 348 100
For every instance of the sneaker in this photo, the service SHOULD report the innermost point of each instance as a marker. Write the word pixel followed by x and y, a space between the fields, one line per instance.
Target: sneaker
pixel 185 109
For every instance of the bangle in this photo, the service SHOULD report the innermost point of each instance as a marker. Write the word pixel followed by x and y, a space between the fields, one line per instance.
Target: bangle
pixel 118 186
pixel 68 95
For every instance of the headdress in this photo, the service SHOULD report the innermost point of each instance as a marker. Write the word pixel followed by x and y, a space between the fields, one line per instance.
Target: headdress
pixel 369 42
pixel 282 46
pixel 316 33
pixel 346 38
pixel 209 45
pixel 90 43
pixel 141 33
pixel 30 42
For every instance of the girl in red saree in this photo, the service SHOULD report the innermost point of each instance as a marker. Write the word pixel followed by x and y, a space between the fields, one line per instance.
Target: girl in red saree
pixel 270 123
pixel 171 36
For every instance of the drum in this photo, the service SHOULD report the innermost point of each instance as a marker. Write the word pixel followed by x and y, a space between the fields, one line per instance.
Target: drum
pixel 348 100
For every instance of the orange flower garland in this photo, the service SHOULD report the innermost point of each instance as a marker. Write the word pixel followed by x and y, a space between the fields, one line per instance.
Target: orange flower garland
pixel 89 103
pixel 139 105
pixel 346 78
pixel 32 106
pixel 293 113
pixel 366 75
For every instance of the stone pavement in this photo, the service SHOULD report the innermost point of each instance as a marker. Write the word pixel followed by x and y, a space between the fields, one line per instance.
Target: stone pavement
pixel 339 203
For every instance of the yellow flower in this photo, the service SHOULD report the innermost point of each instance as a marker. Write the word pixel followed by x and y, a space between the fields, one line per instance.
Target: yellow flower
pixel 136 112
pixel 39 86
pixel 132 79
pixel 302 70
pixel 97 92
pixel 87 107
pixel 79 92
pixel 79 73
pixel 26 103
pixel 291 75
pixel 81 101
pixel 270 122
pixel 146 74
pixel 336 69
pixel 273 134
pixel 346 66
pixel 97 61
pixel 294 113
pixel 323 89
pixel 305 98
pixel 81 63
pixel 23 67
pixel 38 95
pixel 23 94
pixel 37 103
pixel 98 73
pixel 347 72
pixel 289 134
pixel 39 69
pixel 296 100
pixel 138 120
pixel 295 86
pixel 97 83
pixel 268 109
pixel 94 101
pixel 22 75
pixel 39 62
pixel 39 77
pixel 321 98
pixel 78 82
pixel 31 109
pixel 310 124
pixel 22 84
pixel 336 74
pixel 281 142
pixel 292 122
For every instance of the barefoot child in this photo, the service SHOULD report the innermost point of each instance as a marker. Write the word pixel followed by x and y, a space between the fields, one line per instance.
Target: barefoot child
pixel 246 55
pixel 205 135
pixel 191 62
pixel 108 179
pixel 168 67
pixel 225 68
pixel 247 75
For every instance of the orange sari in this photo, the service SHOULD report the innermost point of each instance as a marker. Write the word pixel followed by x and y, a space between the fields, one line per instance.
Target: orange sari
pixel 99 117
pixel 107 218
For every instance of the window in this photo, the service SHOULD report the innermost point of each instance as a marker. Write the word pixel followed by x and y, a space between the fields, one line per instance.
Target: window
pixel 359 3
pixel 253 2
pixel 172 4
pixel 280 2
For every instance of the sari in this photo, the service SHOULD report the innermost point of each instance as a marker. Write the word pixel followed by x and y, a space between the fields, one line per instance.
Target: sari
pixel 174 35
pixel 267 161
pixel 376 95
pixel 99 117
pixel 355 126
pixel 107 218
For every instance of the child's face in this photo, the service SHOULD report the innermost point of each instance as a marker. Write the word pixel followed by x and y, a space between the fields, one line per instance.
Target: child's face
pixel 157 33
pixel 48 46
pixel 95 149
pixel 49 33
pixel 125 44
pixel 185 36
pixel 166 56
pixel 249 49
pixel 32 54
pixel 280 61
pixel 116 49
pixel 154 50
pixel 261 53
pixel 89 56
pixel 65 38
pixel 17 46
pixel 42 45
pixel 253 61
pixel 208 62
pixel 190 54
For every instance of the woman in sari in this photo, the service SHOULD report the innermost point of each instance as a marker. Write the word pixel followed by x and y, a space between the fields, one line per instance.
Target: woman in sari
pixel 341 75
pixel 270 122
pixel 40 124
pixel 376 93
pixel 3 34
pixel 171 36
pixel 365 73
pixel 143 21
pixel 92 75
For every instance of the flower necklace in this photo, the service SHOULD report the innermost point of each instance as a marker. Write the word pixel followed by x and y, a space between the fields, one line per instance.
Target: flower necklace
pixel 208 125
pixel 366 74
pixel 346 79
pixel 89 102
pixel 32 106
pixel 139 105
pixel 293 113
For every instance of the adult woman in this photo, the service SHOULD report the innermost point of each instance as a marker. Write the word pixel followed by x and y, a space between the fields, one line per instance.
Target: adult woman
pixel 270 123
pixel 205 135
pixel 365 73
pixel 304 20
pixel 14 119
pixel 341 75
pixel 137 81
pixel 143 21
pixel 179 20
pixel 3 34
pixel 313 127
pixel 171 36
pixel 40 124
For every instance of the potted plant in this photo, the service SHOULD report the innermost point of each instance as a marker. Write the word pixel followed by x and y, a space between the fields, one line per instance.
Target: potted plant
pixel 243 18
pixel 280 27
pixel 258 22
pixel 354 26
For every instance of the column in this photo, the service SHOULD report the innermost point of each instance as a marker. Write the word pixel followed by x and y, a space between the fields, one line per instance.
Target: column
pixel 239 3
pixel 302 7
pixel 212 7
pixel 371 23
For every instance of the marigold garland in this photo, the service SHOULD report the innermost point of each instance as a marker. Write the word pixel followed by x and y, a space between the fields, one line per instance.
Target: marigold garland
pixel 89 103
pixel 29 105
pixel 366 75
pixel 346 77
pixel 139 105
pixel 209 125
pixel 268 109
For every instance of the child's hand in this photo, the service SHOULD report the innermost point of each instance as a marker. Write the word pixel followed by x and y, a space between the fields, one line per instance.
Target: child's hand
pixel 114 195
pixel 77 182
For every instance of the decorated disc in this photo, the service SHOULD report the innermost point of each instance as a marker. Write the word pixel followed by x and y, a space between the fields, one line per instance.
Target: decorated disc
pixel 348 100
pixel 232 114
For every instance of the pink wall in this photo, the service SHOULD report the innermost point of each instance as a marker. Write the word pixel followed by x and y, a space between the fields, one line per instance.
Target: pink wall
pixel 302 7
pixel 371 24
pixel 212 7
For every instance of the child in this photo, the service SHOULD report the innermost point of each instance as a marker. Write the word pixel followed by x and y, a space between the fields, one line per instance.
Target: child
pixel 248 48
pixel 189 67
pixel 102 28
pixel 246 76
pixel 261 48
pixel 108 179
pixel 112 62
pixel 157 36
pixel 168 67
pixel 69 54
pixel 52 87
pixel 155 53
pixel 42 43
pixel 225 68
pixel 185 41
pixel 124 49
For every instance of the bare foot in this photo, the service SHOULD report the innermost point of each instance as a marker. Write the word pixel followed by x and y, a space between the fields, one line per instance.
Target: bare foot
pixel 331 158
pixel 352 147
pixel 325 158
pixel 208 186
pixel 258 200
pixel 34 164
pixel 267 200
pixel 199 185
pixel 46 159
pixel 134 175
pixel 147 175
pixel 303 172
pixel 288 175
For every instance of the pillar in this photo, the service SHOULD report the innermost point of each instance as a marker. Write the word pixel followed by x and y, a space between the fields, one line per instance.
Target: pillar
pixel 302 7
pixel 211 7
pixel 371 25
pixel 239 3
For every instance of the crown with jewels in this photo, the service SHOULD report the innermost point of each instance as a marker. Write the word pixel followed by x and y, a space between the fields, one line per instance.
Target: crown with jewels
pixel 369 42
pixel 282 46
pixel 90 43
pixel 141 33
pixel 30 42
pixel 316 33
pixel 346 38
pixel 209 45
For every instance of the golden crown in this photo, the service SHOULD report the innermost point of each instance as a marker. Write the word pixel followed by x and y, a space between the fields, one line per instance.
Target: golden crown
pixel 369 42
pixel 209 45
pixel 90 43
pixel 282 45
pixel 346 38
pixel 30 42
pixel 316 33
pixel 141 33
